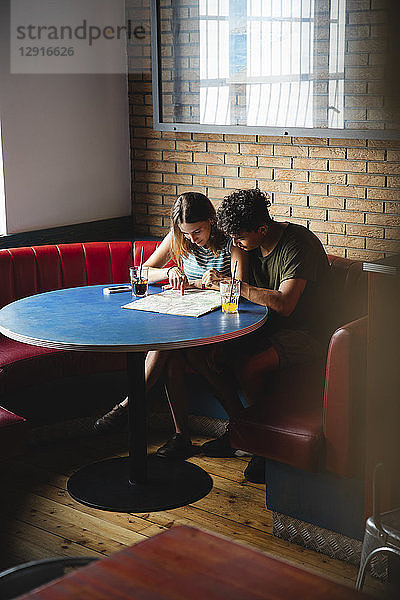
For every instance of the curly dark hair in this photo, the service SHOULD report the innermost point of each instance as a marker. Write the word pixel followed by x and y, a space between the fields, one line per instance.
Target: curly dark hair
pixel 243 210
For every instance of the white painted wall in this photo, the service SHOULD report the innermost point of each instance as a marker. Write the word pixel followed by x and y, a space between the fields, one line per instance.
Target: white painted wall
pixel 65 145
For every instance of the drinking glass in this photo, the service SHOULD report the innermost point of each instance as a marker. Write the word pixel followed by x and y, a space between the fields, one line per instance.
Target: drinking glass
pixel 139 280
pixel 230 301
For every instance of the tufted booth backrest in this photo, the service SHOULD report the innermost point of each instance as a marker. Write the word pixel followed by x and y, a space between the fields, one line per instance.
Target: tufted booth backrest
pixel 350 285
pixel 344 399
pixel 31 270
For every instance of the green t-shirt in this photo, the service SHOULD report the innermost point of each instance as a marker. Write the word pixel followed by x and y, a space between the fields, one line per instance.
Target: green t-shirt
pixel 298 254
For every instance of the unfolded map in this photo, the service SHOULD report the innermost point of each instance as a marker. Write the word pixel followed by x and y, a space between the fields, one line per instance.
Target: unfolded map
pixel 193 303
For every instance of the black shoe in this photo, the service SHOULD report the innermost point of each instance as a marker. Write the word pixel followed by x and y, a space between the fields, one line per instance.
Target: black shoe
pixel 177 448
pixel 219 448
pixel 255 470
pixel 114 420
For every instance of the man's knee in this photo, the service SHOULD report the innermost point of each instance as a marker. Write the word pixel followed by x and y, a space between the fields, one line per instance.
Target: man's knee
pixel 254 367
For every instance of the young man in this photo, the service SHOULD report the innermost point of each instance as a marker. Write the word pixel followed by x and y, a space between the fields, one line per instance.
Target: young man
pixel 288 271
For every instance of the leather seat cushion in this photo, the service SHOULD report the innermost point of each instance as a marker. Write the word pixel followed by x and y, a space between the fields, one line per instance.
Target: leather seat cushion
pixel 24 365
pixel 13 435
pixel 284 426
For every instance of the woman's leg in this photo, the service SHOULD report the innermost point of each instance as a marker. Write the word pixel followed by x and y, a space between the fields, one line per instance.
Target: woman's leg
pixel 179 445
pixel 154 365
pixel 175 387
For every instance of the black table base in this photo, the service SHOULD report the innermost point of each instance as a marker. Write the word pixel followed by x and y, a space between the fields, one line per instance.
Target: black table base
pixel 138 482
pixel 105 485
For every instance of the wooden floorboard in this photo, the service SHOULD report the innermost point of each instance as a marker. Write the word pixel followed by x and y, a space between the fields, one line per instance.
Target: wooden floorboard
pixel 40 519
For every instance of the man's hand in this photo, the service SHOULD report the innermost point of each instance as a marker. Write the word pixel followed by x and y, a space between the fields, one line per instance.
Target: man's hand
pixel 212 278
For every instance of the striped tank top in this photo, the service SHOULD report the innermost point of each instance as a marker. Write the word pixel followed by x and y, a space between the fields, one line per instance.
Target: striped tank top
pixel 201 260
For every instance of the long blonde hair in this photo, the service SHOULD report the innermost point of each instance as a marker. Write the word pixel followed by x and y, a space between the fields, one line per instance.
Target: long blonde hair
pixel 192 207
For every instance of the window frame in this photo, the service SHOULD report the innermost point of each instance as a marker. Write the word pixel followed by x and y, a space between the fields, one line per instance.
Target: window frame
pixel 317 132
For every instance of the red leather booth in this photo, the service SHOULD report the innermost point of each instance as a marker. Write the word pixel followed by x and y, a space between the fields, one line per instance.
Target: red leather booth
pixel 26 370
pixel 308 414
pixel 13 434
pixel 309 422
pixel 309 425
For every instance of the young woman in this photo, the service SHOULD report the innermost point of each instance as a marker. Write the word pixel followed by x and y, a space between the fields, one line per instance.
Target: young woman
pixel 203 256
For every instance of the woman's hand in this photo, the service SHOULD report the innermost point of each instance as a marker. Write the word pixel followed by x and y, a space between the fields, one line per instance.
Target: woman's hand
pixel 177 280
pixel 212 278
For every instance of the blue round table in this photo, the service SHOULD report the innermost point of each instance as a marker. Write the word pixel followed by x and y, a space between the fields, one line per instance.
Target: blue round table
pixel 84 319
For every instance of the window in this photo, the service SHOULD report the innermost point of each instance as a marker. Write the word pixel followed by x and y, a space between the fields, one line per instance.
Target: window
pixel 301 67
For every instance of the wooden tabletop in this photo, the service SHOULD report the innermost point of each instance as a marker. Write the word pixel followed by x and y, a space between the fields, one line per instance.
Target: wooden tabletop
pixel 184 563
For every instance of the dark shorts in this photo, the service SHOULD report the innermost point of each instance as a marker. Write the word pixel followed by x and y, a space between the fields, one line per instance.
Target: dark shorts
pixel 292 346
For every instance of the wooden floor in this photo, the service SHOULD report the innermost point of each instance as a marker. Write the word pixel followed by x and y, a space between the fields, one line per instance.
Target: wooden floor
pixel 40 520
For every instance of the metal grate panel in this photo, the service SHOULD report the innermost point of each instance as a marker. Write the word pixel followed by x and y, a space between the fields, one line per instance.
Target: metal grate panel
pixel 327 542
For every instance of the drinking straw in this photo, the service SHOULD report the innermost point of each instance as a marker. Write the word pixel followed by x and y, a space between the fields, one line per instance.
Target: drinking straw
pixel 233 281
pixel 182 272
pixel 141 262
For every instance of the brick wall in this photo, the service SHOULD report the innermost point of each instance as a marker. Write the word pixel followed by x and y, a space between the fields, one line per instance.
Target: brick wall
pixel 347 191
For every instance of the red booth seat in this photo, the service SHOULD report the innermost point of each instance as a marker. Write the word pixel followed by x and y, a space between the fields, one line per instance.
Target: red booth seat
pixel 32 270
pixel 307 415
pixel 311 416
pixel 13 434
pixel 308 423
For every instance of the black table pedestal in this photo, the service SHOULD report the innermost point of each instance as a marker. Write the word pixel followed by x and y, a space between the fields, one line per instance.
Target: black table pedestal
pixel 138 483
pixel 169 484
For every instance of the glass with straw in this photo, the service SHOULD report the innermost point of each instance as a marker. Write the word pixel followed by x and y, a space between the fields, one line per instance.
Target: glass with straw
pixel 139 277
pixel 230 293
